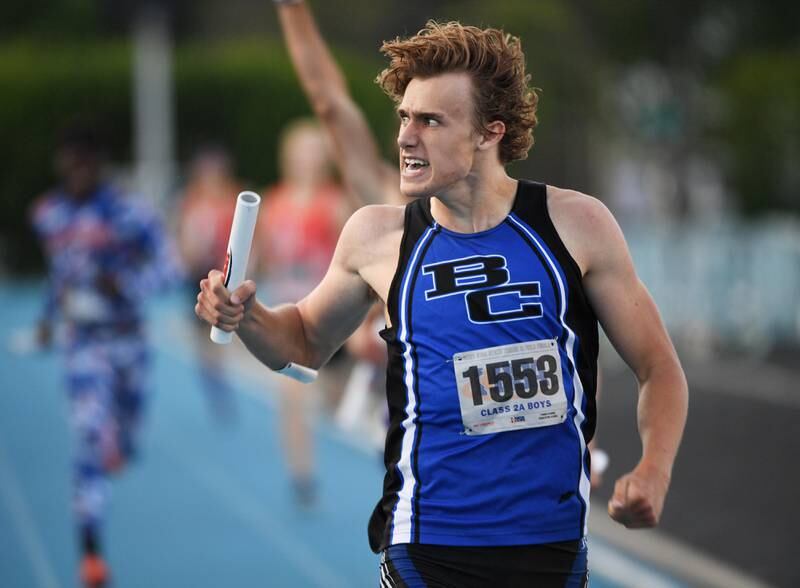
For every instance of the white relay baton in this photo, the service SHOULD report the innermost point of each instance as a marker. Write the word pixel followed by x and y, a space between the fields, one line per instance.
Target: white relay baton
pixel 242 228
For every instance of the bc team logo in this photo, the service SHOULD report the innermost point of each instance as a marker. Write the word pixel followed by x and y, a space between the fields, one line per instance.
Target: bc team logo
pixel 485 283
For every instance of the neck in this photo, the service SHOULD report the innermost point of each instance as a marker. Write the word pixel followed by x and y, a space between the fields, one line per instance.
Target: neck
pixel 478 203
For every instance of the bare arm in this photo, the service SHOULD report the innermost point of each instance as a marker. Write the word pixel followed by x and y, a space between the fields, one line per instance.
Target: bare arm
pixel 309 332
pixel 633 325
pixel 355 147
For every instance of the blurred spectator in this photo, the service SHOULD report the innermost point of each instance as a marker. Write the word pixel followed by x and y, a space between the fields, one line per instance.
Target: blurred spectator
pixel 205 213
pixel 105 251
pixel 300 221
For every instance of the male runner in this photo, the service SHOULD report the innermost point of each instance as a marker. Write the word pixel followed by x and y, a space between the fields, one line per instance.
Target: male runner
pixel 369 178
pixel 494 288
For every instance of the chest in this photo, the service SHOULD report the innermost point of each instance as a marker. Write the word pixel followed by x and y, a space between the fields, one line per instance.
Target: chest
pixel 503 279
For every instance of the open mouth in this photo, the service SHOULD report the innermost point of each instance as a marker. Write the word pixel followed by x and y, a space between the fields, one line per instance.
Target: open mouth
pixel 414 164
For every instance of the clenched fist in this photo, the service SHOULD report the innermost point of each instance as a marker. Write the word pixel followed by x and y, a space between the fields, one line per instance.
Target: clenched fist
pixel 221 308
pixel 639 498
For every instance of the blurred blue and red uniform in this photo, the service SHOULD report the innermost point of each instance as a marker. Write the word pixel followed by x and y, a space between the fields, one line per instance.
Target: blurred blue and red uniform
pixel 105 253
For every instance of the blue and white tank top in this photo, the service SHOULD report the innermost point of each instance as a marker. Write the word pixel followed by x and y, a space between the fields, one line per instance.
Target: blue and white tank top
pixel 490 384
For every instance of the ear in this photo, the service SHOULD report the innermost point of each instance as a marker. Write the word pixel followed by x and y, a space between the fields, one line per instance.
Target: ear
pixel 492 134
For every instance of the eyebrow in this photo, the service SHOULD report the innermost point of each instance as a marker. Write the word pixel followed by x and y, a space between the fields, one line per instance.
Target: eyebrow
pixel 420 114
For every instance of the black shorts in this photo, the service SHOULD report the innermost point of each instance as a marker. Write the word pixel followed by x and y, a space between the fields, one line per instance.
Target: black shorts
pixel 563 564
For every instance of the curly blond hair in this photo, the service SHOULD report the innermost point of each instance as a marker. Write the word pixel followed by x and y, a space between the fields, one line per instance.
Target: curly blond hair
pixel 492 58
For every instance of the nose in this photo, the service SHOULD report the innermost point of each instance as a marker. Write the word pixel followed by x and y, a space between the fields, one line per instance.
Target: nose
pixel 407 136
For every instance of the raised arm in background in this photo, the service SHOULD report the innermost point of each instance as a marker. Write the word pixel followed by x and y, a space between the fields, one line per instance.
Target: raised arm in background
pixel 356 151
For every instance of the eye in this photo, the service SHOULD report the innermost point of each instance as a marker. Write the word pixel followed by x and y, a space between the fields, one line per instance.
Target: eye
pixel 403 119
pixel 431 122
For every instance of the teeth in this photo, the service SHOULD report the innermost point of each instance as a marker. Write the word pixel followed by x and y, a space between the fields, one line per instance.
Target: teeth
pixel 409 161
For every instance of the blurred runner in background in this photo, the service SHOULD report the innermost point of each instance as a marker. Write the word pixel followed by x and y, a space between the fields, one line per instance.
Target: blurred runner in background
pixel 105 251
pixel 204 220
pixel 299 224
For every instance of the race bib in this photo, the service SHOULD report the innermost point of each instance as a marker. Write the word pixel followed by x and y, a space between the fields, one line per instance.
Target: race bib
pixel 510 387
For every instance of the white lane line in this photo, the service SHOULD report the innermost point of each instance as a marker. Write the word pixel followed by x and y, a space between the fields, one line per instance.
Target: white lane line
pixel 624 571
pixel 26 527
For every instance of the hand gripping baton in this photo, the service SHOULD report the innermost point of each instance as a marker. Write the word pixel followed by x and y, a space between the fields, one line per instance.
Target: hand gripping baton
pixel 239 242
pixel 242 228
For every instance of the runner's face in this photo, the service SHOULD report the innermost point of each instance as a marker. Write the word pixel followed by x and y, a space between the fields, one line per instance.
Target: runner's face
pixel 437 138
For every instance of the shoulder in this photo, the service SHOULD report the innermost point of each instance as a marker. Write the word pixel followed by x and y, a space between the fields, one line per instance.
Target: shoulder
pixel 586 226
pixel 576 208
pixel 373 220
pixel 371 231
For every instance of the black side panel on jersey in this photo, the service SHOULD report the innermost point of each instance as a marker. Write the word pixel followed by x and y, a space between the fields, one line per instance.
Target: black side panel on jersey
pixel 380 523
pixel 531 207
